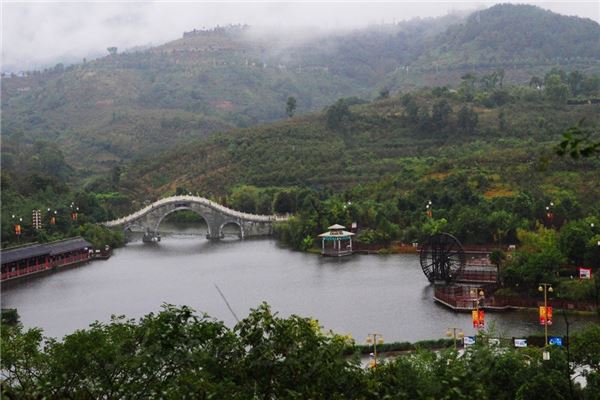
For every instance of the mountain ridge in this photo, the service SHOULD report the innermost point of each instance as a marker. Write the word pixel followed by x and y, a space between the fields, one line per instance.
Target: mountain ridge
pixel 130 105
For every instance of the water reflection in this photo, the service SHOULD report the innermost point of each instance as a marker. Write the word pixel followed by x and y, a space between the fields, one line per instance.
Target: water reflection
pixel 353 295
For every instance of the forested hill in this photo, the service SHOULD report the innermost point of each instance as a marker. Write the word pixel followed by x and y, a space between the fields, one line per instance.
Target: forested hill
pixel 132 104
pixel 500 142
pixel 515 35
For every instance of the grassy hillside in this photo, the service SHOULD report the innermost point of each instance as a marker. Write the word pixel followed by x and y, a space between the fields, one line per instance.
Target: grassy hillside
pixel 131 104
pixel 504 149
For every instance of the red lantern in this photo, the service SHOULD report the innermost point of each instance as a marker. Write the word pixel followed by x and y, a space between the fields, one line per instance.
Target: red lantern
pixel 18 229
pixel 74 216
pixel 481 319
pixel 53 220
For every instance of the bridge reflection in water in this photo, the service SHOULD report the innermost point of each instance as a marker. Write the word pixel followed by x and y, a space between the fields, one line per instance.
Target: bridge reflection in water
pixel 217 217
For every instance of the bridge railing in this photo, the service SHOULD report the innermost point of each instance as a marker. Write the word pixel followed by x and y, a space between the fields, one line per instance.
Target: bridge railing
pixel 196 199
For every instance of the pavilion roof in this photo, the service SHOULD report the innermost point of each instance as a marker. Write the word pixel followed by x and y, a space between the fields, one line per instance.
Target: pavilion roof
pixel 336 227
pixel 339 234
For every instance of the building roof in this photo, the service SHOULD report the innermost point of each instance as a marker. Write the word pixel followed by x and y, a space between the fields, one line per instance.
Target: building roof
pixel 12 255
pixel 64 246
pixel 336 234
pixel 336 227
pixel 36 250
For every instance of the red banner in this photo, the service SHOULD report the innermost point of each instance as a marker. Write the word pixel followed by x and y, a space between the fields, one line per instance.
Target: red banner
pixel 545 315
pixel 478 318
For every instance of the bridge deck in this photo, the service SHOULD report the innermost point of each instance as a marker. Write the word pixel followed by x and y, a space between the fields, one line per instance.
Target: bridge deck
pixel 197 200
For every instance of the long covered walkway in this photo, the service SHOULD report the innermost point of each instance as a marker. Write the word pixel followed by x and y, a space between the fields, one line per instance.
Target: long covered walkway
pixel 36 258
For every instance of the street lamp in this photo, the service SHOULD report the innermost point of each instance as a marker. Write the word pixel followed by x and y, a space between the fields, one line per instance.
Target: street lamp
pixel 374 338
pixel 456 334
pixel 17 222
pixel 545 288
pixel 429 209
pixel 549 213
pixel 53 217
pixel 74 212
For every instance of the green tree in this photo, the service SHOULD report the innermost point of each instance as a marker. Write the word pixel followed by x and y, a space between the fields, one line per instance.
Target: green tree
pixel 411 108
pixel 244 198
pixel 586 347
pixel 467 120
pixel 578 142
pixel 384 93
pixel 290 106
pixel 284 202
pixel 441 114
pixel 575 80
pixel 556 90
pixel 337 115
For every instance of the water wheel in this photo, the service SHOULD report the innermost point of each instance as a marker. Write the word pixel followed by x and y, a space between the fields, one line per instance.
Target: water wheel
pixel 442 258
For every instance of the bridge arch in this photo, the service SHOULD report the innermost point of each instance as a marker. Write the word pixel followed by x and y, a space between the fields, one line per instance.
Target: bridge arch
pixel 216 216
pixel 230 223
pixel 181 208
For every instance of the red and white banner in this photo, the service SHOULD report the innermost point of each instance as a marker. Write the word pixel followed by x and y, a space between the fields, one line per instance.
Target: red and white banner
pixel 585 273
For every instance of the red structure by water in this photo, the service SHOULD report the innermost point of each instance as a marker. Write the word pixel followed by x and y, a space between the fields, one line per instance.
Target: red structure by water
pixel 36 258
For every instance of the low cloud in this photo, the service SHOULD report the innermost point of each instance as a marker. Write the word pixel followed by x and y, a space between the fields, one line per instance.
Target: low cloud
pixel 38 35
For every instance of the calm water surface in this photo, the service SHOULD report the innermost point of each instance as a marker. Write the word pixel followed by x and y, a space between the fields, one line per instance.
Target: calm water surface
pixel 355 295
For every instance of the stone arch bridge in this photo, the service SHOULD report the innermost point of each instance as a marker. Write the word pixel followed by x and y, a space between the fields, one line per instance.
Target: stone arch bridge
pixel 148 219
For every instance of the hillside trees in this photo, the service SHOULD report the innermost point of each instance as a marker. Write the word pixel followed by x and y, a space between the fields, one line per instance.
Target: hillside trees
pixel 440 115
pixel 290 106
pixel 177 353
pixel 337 115
pixel 556 90
pixel 467 119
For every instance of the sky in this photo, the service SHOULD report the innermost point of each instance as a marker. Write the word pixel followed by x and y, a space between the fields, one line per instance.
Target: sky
pixel 38 34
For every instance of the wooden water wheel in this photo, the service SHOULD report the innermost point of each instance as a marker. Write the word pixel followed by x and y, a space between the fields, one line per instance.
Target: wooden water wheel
pixel 442 258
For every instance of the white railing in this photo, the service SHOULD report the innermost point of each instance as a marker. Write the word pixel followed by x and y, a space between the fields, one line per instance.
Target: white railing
pixel 198 200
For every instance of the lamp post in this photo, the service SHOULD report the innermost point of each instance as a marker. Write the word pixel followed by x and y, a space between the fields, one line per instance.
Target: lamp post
pixel 545 288
pixel 456 334
pixel 374 338
pixel 17 225
pixel 74 212
pixel 429 209
pixel 549 213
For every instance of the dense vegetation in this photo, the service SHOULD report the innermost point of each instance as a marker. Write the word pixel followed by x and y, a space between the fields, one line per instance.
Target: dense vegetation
pixel 525 39
pixel 483 155
pixel 176 354
pixel 35 177
pixel 136 103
